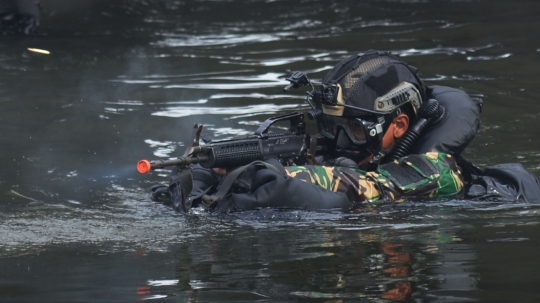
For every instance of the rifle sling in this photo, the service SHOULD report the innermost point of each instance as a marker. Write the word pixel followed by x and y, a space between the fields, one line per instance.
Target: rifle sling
pixel 228 182
pixel 185 181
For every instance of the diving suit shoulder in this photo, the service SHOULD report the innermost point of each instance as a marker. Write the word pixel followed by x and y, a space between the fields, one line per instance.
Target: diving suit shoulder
pixel 458 128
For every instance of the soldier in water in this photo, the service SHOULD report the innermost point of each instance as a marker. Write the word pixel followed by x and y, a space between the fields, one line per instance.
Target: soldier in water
pixel 390 138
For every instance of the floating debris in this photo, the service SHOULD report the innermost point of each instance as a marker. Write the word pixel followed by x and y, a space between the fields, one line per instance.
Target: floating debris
pixel 40 51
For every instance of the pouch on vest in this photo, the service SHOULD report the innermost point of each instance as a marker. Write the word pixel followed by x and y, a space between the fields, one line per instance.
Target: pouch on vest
pixel 413 175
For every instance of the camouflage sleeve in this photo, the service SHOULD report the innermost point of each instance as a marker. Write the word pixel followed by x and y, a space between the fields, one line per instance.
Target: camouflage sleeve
pixel 431 175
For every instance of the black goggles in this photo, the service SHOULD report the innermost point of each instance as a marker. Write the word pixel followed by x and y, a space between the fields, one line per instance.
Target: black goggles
pixel 359 131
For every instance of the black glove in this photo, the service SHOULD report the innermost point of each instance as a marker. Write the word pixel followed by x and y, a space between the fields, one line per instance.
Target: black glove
pixel 339 161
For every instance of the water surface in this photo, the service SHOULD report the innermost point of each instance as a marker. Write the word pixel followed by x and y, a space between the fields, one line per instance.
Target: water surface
pixel 127 80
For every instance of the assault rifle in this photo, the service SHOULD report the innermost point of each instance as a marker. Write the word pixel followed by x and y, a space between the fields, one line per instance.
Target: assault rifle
pixel 292 147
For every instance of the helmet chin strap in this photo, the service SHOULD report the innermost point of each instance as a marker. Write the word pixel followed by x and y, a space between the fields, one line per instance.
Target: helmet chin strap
pixel 377 158
pixel 378 152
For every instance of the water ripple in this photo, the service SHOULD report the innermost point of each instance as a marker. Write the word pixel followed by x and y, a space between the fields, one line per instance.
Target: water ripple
pixel 237 111
pixel 233 97
pixel 217 40
pixel 459 78
pixel 250 82
pixel 139 81
pixel 275 61
pixel 440 50
pixel 163 149
pixel 499 57
pixel 227 131
pixel 508 240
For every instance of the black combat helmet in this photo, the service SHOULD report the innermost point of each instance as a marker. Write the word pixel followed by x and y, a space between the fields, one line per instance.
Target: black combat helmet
pixel 359 98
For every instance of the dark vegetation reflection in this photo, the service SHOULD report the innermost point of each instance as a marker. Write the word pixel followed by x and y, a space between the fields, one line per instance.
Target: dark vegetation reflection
pixel 127 80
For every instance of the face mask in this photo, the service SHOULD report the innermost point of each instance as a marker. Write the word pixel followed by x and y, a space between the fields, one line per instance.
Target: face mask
pixel 345 147
pixel 344 142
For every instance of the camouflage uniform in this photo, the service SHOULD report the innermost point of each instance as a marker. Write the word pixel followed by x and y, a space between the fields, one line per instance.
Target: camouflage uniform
pixel 430 175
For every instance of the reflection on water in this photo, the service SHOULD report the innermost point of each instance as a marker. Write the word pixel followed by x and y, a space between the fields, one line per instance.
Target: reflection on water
pixel 127 80
pixel 325 263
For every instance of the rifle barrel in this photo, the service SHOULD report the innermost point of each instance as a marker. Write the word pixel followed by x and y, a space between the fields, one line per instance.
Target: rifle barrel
pixel 145 166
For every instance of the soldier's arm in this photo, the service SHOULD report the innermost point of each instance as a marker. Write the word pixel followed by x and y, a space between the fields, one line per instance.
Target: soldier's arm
pixel 432 175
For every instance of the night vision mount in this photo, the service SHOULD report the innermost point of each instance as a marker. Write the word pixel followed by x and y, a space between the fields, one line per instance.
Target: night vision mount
pixel 297 79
